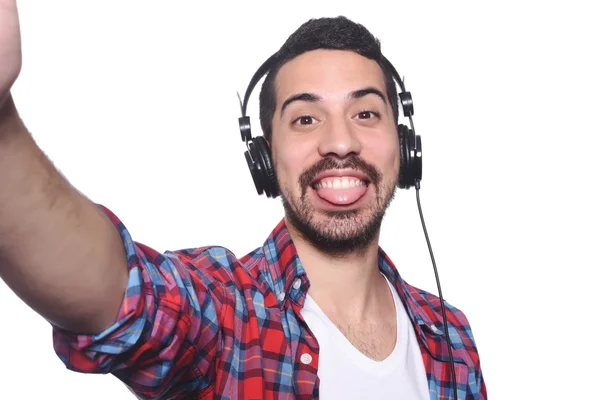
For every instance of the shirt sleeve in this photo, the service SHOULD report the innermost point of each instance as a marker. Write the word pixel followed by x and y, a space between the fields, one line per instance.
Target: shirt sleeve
pixel 165 332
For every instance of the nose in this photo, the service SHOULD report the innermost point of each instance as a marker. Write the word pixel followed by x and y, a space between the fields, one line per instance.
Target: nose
pixel 339 139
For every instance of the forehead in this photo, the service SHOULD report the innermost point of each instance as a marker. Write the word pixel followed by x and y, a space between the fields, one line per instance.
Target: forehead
pixel 328 73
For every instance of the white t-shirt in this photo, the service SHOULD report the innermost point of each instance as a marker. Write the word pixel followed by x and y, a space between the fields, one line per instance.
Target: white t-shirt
pixel 346 373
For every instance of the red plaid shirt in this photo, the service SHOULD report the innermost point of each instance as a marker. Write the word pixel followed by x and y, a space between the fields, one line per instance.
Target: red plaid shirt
pixel 201 323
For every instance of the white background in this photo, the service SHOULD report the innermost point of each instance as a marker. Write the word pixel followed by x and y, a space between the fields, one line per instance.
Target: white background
pixel 135 102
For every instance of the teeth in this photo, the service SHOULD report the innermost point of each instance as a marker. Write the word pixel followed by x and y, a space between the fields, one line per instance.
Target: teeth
pixel 343 183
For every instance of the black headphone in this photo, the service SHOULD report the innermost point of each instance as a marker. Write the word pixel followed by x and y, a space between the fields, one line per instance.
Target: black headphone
pixel 258 155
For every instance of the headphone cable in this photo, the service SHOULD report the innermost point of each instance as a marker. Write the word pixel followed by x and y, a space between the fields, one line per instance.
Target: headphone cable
pixel 437 279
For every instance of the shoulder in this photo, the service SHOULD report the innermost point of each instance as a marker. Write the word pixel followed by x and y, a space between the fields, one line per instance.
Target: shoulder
pixel 215 257
pixel 430 304
pixel 459 327
pixel 218 262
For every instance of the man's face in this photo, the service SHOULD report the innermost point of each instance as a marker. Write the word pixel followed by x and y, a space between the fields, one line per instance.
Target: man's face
pixel 335 147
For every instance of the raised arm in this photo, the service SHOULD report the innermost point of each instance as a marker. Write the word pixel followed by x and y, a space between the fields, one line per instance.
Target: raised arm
pixel 58 252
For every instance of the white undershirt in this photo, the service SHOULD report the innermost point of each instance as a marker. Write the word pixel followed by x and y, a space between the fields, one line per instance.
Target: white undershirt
pixel 346 373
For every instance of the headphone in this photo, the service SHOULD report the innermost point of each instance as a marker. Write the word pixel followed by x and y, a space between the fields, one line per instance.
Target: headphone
pixel 258 153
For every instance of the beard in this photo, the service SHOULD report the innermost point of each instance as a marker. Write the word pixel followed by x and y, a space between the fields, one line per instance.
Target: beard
pixel 342 232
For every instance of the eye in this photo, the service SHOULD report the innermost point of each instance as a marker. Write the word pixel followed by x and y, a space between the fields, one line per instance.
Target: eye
pixel 368 115
pixel 304 120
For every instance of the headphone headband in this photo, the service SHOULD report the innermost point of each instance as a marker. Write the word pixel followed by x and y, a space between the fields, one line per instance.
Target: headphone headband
pixel 258 154
pixel 262 71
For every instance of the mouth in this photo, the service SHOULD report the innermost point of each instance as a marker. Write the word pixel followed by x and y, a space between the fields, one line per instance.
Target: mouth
pixel 340 188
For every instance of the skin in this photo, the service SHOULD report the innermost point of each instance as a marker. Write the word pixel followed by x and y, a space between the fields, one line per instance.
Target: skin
pixel 58 252
pixel 10 47
pixel 346 283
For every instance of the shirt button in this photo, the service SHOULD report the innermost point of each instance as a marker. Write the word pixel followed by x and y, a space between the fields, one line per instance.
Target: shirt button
pixel 281 296
pixel 297 283
pixel 306 358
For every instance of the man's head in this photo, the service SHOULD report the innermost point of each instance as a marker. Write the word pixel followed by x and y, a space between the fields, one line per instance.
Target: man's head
pixel 329 110
pixel 324 33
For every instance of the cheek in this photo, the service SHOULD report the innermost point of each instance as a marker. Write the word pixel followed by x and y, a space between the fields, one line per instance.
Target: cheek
pixel 289 162
pixel 394 158
pixel 386 156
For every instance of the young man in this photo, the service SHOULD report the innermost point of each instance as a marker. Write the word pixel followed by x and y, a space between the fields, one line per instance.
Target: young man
pixel 319 311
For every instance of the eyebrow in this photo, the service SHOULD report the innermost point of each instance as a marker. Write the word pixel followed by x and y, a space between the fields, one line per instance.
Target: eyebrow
pixel 357 94
pixel 313 98
pixel 310 97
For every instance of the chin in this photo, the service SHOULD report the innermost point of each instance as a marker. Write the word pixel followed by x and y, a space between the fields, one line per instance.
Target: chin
pixel 336 232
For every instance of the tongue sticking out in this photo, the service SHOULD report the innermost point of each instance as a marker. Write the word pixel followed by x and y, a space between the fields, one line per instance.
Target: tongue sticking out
pixel 341 194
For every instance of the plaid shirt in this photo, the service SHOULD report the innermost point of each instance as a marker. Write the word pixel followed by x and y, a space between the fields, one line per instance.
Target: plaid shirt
pixel 201 323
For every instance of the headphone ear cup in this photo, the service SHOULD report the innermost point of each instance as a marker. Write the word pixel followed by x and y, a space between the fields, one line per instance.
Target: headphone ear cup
pixel 411 162
pixel 254 167
pixel 404 156
pixel 261 153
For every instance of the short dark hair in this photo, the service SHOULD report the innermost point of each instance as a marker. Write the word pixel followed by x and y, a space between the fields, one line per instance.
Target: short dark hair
pixel 338 33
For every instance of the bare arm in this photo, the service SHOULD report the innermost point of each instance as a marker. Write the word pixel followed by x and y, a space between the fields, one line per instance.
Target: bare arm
pixel 58 251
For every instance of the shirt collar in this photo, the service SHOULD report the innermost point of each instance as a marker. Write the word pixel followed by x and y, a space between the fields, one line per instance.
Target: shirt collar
pixel 287 278
pixel 411 297
pixel 283 266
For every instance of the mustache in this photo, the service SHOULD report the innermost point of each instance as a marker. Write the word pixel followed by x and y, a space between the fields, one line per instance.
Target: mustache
pixel 327 164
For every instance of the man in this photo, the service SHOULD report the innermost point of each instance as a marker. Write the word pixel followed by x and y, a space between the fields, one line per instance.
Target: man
pixel 319 311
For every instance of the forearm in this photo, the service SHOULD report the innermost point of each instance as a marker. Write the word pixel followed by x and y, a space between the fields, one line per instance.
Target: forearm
pixel 58 251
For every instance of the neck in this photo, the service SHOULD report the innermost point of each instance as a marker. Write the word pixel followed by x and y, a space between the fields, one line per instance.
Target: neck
pixel 345 282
